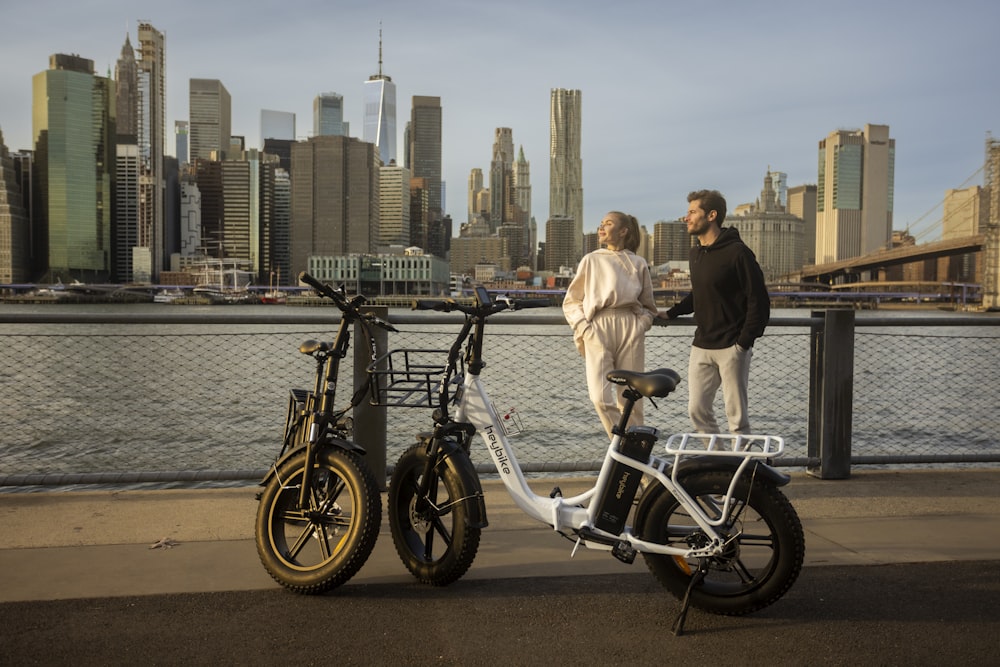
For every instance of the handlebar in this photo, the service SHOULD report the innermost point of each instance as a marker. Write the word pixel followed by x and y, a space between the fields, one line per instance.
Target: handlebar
pixel 500 303
pixel 349 307
pixel 325 290
pixel 531 303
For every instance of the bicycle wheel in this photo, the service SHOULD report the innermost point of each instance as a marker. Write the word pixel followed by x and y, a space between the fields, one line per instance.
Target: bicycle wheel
pixel 431 533
pixel 764 544
pixel 316 548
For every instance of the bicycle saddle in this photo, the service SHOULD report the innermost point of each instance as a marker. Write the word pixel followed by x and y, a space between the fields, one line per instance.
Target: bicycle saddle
pixel 655 384
pixel 313 346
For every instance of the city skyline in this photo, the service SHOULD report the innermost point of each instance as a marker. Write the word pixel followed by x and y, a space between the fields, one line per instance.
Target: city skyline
pixel 673 102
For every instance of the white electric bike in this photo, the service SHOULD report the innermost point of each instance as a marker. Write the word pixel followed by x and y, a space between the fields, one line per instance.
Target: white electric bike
pixel 710 521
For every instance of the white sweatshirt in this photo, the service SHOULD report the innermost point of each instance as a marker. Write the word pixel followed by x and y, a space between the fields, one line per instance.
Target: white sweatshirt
pixel 609 279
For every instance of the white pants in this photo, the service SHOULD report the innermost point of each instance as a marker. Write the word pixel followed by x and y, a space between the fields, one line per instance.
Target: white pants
pixel 707 370
pixel 615 339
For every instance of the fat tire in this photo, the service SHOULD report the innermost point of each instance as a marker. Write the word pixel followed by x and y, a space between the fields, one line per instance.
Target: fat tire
pixel 344 517
pixel 765 558
pixel 436 546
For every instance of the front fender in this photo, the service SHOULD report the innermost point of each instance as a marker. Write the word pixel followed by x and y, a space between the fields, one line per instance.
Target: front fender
pixel 330 441
pixel 458 461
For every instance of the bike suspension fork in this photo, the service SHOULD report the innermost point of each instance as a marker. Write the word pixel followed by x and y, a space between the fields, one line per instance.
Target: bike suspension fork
pixel 307 471
pixel 429 477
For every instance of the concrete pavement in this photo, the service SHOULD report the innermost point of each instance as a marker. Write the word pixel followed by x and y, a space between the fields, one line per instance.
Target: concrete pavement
pixel 63 546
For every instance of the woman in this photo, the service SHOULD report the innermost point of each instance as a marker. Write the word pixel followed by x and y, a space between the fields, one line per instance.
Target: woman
pixel 610 306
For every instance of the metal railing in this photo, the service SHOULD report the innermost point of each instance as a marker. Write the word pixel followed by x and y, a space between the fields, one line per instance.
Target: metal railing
pixel 181 398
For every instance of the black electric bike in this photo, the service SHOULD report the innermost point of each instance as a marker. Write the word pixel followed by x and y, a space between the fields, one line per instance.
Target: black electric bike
pixel 321 508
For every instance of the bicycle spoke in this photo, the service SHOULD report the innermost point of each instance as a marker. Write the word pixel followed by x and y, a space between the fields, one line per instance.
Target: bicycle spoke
pixel 743 572
pixel 301 541
pixel 750 540
pixel 322 499
pixel 429 546
pixel 439 527
pixel 324 541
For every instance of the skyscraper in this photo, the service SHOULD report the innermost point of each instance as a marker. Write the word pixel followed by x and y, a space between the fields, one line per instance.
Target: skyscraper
pixel 522 206
pixel 324 220
pixel 277 134
pixel 475 194
pixel 565 167
pixel 424 149
pixel 779 184
pixel 237 208
pixel 210 114
pixel 125 234
pixel 671 242
pixel 125 230
pixel 502 178
pixel 181 139
pixel 854 193
pixel 966 213
pixel 14 238
pixel 328 115
pixel 280 222
pixel 802 204
pixel 74 136
pixel 394 207
pixel 559 252
pixel 149 257
pixel 189 233
pixel 127 95
pixel 37 249
pixel 380 111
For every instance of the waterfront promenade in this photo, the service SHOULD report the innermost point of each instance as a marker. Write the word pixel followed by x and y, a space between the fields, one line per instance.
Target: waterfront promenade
pixel 902 567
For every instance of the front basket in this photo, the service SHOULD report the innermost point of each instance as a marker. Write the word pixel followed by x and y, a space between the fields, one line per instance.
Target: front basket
pixel 408 378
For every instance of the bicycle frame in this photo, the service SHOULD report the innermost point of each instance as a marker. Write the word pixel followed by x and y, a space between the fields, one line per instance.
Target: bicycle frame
pixel 577 513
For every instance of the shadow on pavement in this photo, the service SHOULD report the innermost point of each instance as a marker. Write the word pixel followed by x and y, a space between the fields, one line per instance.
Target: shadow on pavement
pixel 905 614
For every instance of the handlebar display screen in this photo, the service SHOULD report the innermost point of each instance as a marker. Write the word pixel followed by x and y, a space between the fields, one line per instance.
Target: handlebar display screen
pixel 482 295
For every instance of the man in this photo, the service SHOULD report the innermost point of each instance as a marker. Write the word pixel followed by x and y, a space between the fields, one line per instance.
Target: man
pixel 731 308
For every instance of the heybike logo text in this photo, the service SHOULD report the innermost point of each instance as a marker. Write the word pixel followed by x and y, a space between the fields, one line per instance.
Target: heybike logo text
pixel 497 448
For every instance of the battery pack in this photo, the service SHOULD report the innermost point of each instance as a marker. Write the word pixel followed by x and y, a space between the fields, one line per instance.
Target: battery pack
pixel 616 501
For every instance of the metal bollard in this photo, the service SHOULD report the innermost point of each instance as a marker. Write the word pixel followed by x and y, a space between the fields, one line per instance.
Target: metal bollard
pixel 831 394
pixel 369 420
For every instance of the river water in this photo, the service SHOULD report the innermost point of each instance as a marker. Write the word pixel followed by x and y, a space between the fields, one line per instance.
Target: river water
pixel 148 397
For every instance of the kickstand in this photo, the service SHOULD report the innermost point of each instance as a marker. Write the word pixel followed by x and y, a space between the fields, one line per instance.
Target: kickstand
pixel 696 579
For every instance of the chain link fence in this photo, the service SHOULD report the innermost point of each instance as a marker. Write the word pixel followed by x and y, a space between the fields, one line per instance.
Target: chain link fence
pixel 118 397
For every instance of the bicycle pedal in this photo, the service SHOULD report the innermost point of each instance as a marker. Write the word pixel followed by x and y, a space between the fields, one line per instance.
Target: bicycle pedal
pixel 624 552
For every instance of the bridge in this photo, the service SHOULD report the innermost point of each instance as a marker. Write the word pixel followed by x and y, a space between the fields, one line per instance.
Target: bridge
pixel 828 273
pixel 986 243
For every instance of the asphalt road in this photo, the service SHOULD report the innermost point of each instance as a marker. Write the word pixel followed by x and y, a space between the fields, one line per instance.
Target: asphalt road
pixel 939 613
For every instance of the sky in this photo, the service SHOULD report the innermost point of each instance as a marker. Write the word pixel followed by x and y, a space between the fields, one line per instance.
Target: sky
pixel 676 96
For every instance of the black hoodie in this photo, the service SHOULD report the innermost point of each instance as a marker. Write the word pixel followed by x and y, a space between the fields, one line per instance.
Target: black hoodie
pixel 728 294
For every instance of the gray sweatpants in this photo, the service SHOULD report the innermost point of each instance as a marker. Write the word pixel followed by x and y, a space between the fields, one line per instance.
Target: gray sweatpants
pixel 707 370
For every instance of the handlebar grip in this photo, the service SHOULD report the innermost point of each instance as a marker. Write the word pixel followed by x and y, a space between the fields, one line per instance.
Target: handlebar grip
pixel 432 304
pixel 533 303
pixel 312 282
